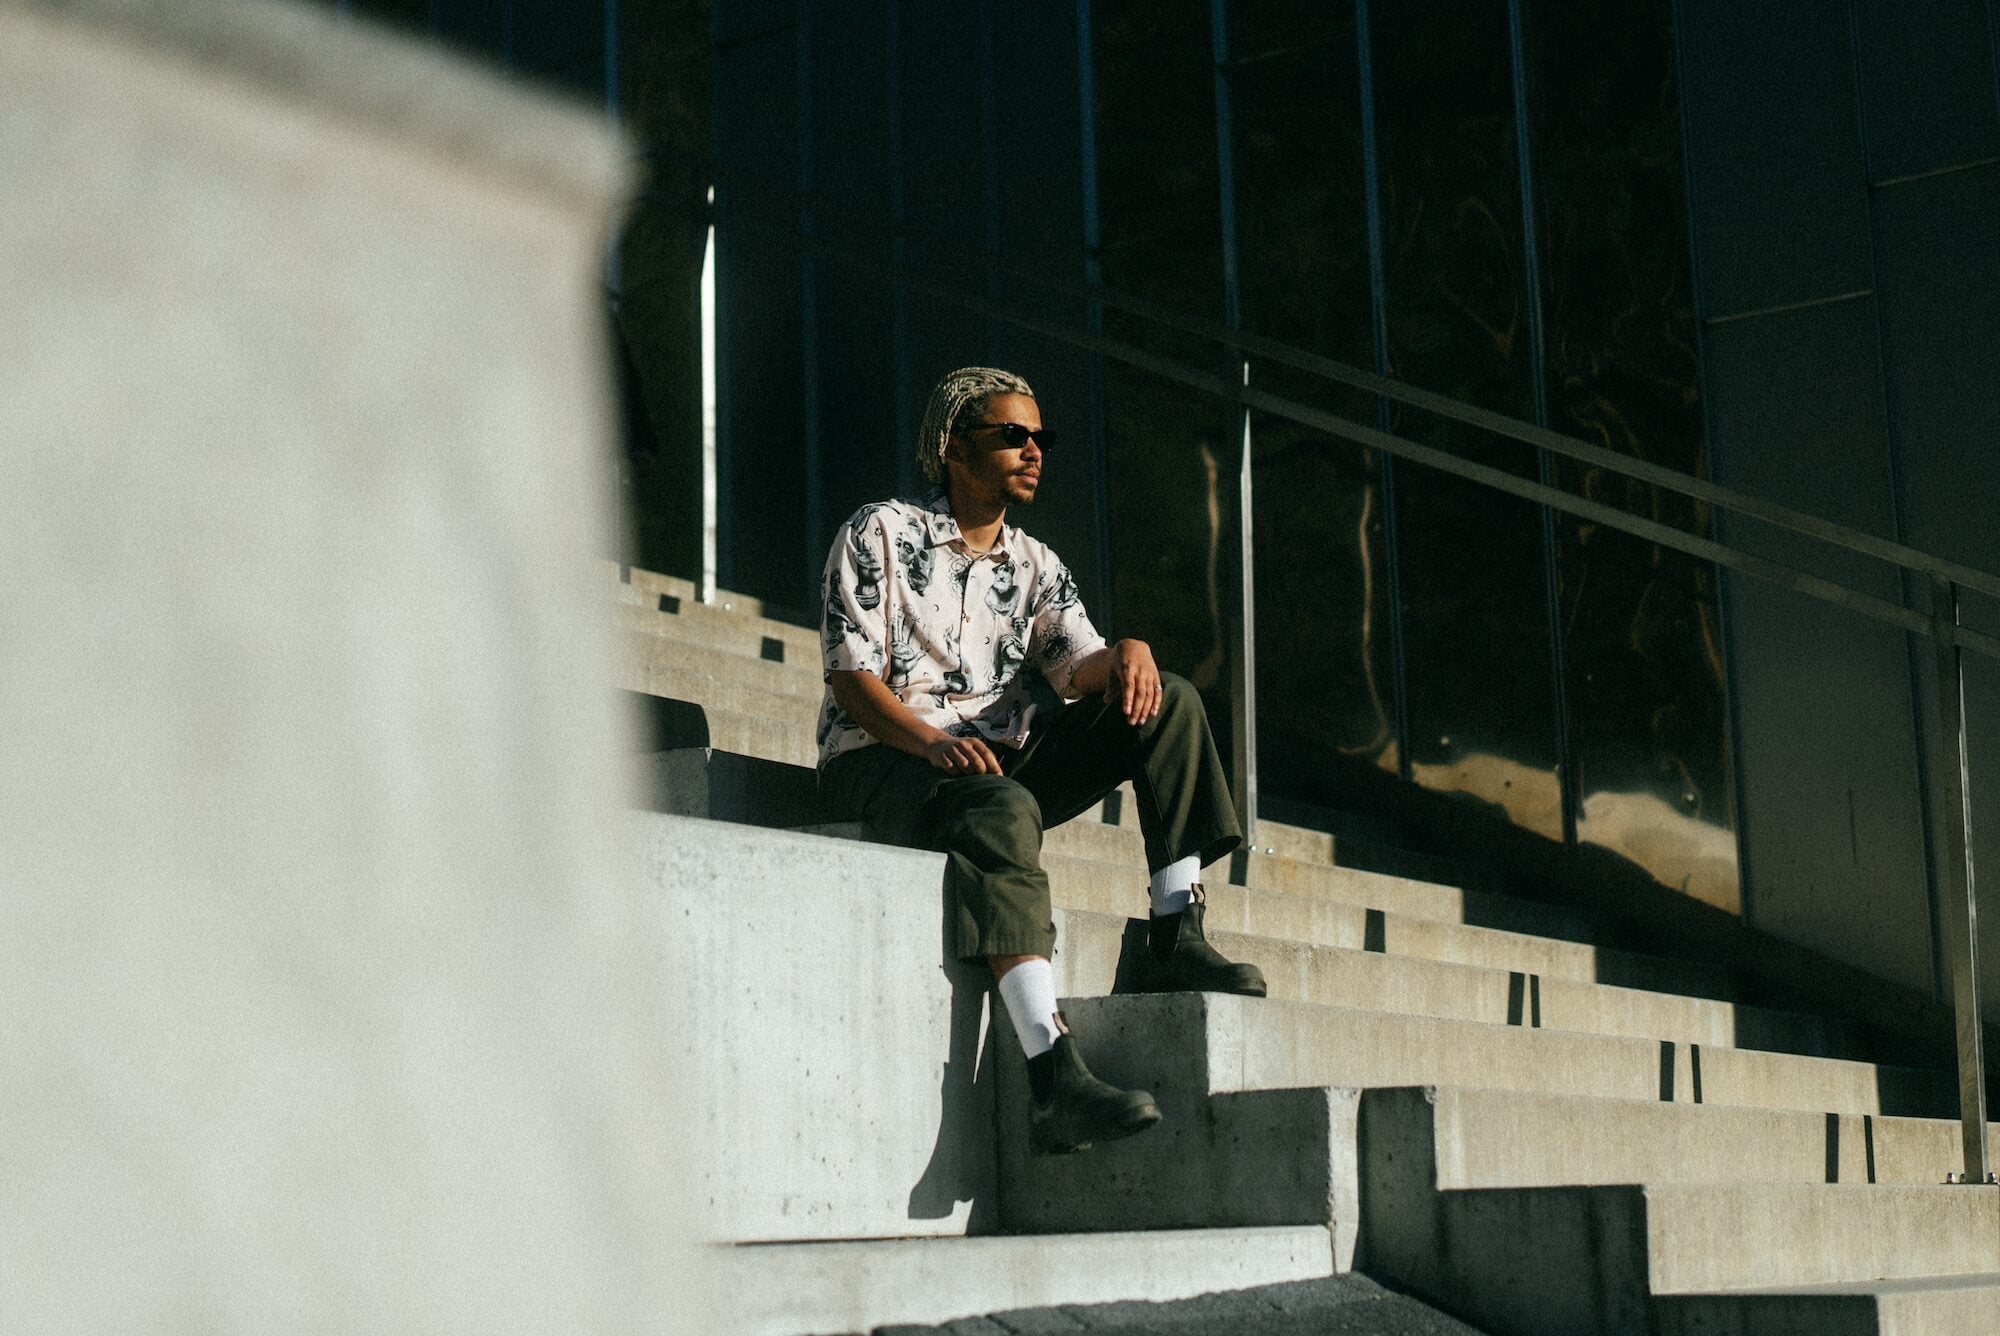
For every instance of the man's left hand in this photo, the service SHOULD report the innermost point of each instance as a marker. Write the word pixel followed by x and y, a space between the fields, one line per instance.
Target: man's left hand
pixel 1135 681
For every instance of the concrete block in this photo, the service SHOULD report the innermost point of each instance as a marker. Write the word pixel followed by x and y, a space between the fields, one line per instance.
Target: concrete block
pixel 786 1289
pixel 329 1004
pixel 837 1059
pixel 1267 1157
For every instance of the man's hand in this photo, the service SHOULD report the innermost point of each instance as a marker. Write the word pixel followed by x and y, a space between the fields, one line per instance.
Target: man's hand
pixel 963 756
pixel 1134 681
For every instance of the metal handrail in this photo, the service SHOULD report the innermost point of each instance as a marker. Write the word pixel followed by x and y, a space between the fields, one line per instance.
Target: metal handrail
pixel 1950 783
pixel 1245 344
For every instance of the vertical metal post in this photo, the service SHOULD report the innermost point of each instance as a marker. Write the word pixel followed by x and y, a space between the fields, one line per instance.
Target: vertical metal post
pixel 1951 802
pixel 1568 776
pixel 1243 662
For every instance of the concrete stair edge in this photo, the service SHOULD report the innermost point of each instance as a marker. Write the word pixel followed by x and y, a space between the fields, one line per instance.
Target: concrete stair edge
pixel 858 1285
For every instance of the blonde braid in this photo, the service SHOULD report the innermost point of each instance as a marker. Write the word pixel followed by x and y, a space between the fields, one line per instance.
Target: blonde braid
pixel 964 393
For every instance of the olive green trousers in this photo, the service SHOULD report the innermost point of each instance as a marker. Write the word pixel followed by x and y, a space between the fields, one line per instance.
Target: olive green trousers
pixel 990 826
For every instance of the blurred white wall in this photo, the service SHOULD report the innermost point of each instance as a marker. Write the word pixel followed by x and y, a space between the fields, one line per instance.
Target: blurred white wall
pixel 328 1001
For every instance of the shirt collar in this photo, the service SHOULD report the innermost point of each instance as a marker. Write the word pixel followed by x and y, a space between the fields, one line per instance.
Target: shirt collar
pixel 942 526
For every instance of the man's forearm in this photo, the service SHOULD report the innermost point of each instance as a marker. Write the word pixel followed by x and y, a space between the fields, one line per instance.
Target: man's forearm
pixel 868 699
pixel 1093 676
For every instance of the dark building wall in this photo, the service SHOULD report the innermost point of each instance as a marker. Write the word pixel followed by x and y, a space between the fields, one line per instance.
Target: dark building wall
pixel 1846 217
pixel 937 140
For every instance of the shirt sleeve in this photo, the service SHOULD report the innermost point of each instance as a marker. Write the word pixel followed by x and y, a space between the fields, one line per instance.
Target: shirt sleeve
pixel 853 629
pixel 1062 637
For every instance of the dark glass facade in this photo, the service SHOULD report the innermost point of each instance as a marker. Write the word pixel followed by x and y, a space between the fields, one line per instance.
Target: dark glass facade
pixel 1734 238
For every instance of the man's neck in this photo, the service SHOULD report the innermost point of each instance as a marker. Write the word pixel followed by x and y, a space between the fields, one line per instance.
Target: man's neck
pixel 978 522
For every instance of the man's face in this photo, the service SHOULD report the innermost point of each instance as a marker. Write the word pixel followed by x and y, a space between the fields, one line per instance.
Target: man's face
pixel 983 462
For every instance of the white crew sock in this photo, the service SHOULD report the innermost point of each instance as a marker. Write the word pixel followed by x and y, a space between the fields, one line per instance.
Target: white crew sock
pixel 1173 886
pixel 1029 990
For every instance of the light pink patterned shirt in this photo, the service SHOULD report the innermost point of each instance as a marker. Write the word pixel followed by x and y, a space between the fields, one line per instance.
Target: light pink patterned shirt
pixel 949 634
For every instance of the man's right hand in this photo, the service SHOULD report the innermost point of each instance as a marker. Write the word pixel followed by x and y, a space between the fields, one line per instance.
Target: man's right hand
pixel 963 756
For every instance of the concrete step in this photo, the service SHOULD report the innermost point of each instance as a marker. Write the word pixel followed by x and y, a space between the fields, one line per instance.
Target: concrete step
pixel 716 627
pixel 654 583
pixel 725 785
pixel 1106 889
pixel 1220 1043
pixel 781 733
pixel 1095 948
pixel 716 677
pixel 859 1285
pixel 1927 1306
pixel 778 739
pixel 1450 1138
pixel 1123 846
pixel 1574 1260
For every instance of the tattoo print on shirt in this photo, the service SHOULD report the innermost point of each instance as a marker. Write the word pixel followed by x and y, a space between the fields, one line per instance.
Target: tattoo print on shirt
pixel 868 575
pixel 1011 652
pixel 902 654
pixel 839 626
pixel 1005 595
pixel 913 551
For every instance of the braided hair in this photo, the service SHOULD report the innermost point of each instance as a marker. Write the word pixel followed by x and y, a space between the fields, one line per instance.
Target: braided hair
pixel 960 398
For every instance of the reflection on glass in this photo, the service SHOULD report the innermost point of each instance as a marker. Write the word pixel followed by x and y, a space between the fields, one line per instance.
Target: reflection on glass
pixel 1475 621
pixel 1325 679
pixel 1649 734
pixel 1325 673
pixel 1171 455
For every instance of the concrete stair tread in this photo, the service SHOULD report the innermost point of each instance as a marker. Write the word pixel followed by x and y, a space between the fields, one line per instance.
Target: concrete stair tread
pixel 1092 946
pixel 698 625
pixel 1477 1138
pixel 1590 1259
pixel 1122 846
pixel 1224 1044
pixel 857 1285
pixel 1836 1232
pixel 1984 1282
pixel 718 677
pixel 655 583
pixel 1103 888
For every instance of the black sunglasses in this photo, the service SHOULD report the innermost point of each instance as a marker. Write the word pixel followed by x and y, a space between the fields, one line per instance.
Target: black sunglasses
pixel 1015 435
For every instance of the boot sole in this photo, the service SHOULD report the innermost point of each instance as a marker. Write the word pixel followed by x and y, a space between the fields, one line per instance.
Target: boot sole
pixel 1132 1123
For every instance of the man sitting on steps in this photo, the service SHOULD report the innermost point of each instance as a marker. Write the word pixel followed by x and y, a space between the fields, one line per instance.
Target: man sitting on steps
pixel 971 704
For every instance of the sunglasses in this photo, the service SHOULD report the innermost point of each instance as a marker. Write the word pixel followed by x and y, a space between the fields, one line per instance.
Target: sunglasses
pixel 1014 435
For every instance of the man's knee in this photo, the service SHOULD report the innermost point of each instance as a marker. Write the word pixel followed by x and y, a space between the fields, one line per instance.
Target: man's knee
pixel 1177 693
pixel 992 802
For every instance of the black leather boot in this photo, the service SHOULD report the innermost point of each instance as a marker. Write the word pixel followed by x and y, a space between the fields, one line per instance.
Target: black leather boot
pixel 1073 1109
pixel 1179 959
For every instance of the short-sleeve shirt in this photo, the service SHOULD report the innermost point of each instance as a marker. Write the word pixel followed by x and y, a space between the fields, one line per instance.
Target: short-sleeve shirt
pixel 974 646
